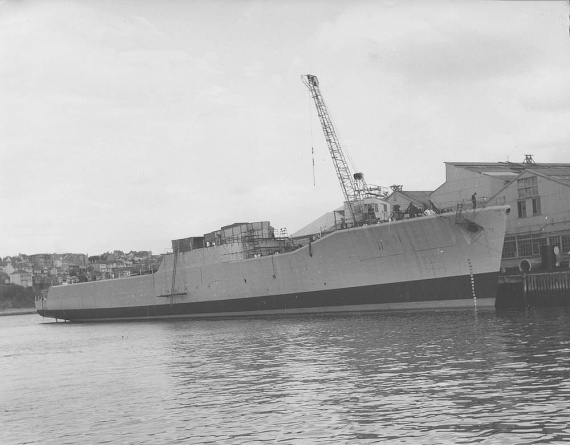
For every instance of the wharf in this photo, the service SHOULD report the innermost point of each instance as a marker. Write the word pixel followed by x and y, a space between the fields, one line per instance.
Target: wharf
pixel 545 288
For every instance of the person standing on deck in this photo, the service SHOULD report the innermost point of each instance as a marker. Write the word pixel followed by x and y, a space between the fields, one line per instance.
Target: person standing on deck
pixel 474 200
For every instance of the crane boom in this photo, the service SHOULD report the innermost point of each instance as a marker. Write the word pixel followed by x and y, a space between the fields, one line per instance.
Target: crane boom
pixel 348 182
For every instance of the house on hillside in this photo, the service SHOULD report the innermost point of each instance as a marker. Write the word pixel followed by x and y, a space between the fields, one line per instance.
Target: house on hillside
pixel 9 268
pixel 21 278
pixel 538 194
pixel 100 267
pixel 41 260
pixel 3 265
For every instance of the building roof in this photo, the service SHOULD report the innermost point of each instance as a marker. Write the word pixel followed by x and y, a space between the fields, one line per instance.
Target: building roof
pixel 20 272
pixel 237 224
pixel 508 171
pixel 322 224
pixel 559 173
pixel 417 197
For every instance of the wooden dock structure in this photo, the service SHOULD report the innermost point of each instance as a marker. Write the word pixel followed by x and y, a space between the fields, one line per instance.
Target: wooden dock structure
pixel 546 288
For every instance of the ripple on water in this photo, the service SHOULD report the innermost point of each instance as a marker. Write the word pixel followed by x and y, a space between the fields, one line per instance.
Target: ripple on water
pixel 425 377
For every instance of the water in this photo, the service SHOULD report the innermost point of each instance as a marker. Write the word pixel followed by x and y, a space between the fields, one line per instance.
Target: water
pixel 418 377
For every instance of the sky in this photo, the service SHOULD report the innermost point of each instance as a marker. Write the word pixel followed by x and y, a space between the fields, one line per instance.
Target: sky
pixel 126 124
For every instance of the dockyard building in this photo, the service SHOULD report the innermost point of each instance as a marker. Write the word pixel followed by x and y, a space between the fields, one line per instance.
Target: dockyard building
pixel 408 202
pixel 538 194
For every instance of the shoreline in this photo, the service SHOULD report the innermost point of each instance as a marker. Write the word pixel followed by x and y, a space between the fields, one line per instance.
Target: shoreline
pixel 17 311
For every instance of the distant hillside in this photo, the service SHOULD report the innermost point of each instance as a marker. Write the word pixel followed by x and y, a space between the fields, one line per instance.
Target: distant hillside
pixel 14 296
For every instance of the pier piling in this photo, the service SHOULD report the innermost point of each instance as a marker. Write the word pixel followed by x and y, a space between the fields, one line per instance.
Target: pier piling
pixel 547 289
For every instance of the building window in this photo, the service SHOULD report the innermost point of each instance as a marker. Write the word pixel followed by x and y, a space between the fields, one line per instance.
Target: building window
pixel 524 244
pixel 535 206
pixel 554 240
pixel 510 247
pixel 537 242
pixel 527 187
pixel 565 243
pixel 521 205
pixel 530 245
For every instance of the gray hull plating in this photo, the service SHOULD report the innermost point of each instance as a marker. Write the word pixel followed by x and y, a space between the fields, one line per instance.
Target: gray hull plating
pixel 428 262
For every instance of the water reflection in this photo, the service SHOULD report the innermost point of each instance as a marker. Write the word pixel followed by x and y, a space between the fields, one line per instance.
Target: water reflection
pixel 422 377
pixel 459 377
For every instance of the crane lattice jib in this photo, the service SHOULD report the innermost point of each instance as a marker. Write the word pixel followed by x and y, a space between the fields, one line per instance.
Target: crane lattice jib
pixel 347 183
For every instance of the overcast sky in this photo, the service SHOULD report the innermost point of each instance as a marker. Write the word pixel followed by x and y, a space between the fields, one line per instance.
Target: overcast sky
pixel 125 124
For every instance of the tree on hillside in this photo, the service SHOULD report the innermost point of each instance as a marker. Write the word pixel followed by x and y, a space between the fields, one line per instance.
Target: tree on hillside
pixel 14 296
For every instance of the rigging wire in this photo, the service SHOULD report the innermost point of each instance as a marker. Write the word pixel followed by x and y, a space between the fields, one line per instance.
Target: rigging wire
pixel 313 155
pixel 312 143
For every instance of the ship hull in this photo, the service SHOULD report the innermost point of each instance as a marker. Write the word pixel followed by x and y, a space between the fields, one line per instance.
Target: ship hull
pixel 429 294
pixel 431 262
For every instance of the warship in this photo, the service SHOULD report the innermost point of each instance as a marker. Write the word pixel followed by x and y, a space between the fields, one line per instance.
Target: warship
pixel 371 258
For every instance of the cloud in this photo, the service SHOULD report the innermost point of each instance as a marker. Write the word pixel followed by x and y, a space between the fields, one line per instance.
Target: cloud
pixel 151 114
pixel 469 58
pixel 254 69
pixel 548 90
pixel 423 42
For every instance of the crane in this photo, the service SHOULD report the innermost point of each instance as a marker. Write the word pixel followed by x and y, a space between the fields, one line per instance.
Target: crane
pixel 353 186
